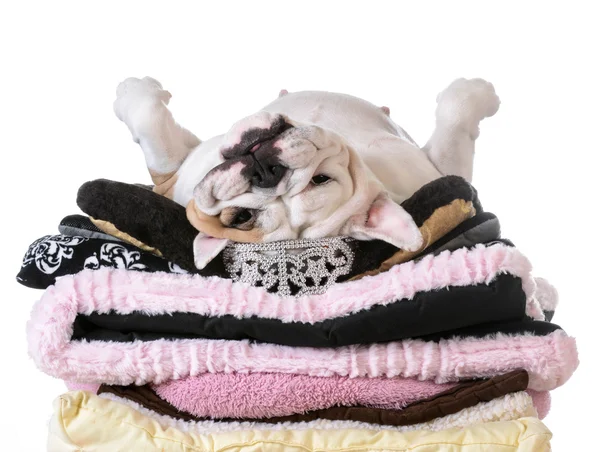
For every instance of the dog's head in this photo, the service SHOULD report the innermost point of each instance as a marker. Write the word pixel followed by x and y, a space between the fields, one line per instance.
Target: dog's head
pixel 280 180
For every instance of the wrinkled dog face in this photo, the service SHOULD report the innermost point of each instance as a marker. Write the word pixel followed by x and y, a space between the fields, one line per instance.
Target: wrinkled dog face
pixel 282 180
pixel 276 181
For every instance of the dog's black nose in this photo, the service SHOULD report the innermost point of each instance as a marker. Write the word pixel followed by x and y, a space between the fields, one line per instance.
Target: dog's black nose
pixel 267 175
pixel 267 170
pixel 259 151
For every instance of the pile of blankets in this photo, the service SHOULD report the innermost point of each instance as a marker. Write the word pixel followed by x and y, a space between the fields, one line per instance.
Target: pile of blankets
pixel 314 345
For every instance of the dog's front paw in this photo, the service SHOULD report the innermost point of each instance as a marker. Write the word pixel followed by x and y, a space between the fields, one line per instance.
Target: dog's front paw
pixel 133 93
pixel 466 102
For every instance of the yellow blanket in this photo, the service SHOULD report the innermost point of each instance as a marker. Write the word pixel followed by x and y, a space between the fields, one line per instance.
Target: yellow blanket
pixel 83 421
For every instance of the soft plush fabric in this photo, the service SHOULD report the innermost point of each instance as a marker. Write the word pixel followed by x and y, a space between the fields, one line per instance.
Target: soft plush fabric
pixel 53 256
pixel 437 313
pixel 88 422
pixel 482 228
pixel 440 223
pixel 162 224
pixel 447 402
pixel 32 273
pixel 547 296
pixel 284 403
pixel 263 395
pixel 437 208
pixel 152 219
pixel 126 292
pixel 357 329
pixel 126 306
pixel 550 359
pixel 110 229
pixel 76 386
pixel 510 407
pixel 542 401
pixel 79 225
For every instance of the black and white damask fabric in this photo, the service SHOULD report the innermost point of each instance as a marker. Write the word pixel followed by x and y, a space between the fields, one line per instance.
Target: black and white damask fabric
pixel 49 252
pixel 53 256
pixel 115 255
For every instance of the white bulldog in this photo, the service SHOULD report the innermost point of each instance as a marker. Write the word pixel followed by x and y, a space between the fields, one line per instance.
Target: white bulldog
pixel 308 165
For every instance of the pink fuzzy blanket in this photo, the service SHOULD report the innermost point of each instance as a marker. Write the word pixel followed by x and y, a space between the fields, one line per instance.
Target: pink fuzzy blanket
pixel 122 291
pixel 550 360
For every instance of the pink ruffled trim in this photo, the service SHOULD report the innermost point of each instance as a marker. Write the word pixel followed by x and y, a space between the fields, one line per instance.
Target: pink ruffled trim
pixel 162 293
pixel 550 360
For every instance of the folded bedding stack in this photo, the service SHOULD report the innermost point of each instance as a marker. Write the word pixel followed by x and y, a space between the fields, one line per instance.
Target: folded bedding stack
pixel 328 344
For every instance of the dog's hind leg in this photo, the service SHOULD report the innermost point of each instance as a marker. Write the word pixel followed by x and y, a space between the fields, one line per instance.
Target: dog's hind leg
pixel 460 108
pixel 142 105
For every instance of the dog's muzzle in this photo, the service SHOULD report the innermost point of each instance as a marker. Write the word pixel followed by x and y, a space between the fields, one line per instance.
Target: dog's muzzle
pixel 259 154
pixel 265 171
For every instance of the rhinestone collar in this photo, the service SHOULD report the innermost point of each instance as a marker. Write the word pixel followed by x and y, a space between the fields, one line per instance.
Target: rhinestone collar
pixel 291 267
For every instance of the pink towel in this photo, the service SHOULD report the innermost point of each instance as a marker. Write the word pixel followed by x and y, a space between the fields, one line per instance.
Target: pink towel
pixel 264 395
pixel 269 395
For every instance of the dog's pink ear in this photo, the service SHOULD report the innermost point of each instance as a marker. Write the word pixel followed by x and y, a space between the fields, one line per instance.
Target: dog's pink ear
pixel 387 221
pixel 206 249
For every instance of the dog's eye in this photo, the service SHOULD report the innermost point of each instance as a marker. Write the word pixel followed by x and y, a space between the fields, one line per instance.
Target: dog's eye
pixel 242 216
pixel 320 179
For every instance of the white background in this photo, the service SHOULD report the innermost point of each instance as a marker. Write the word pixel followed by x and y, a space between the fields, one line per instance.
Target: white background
pixel 536 166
